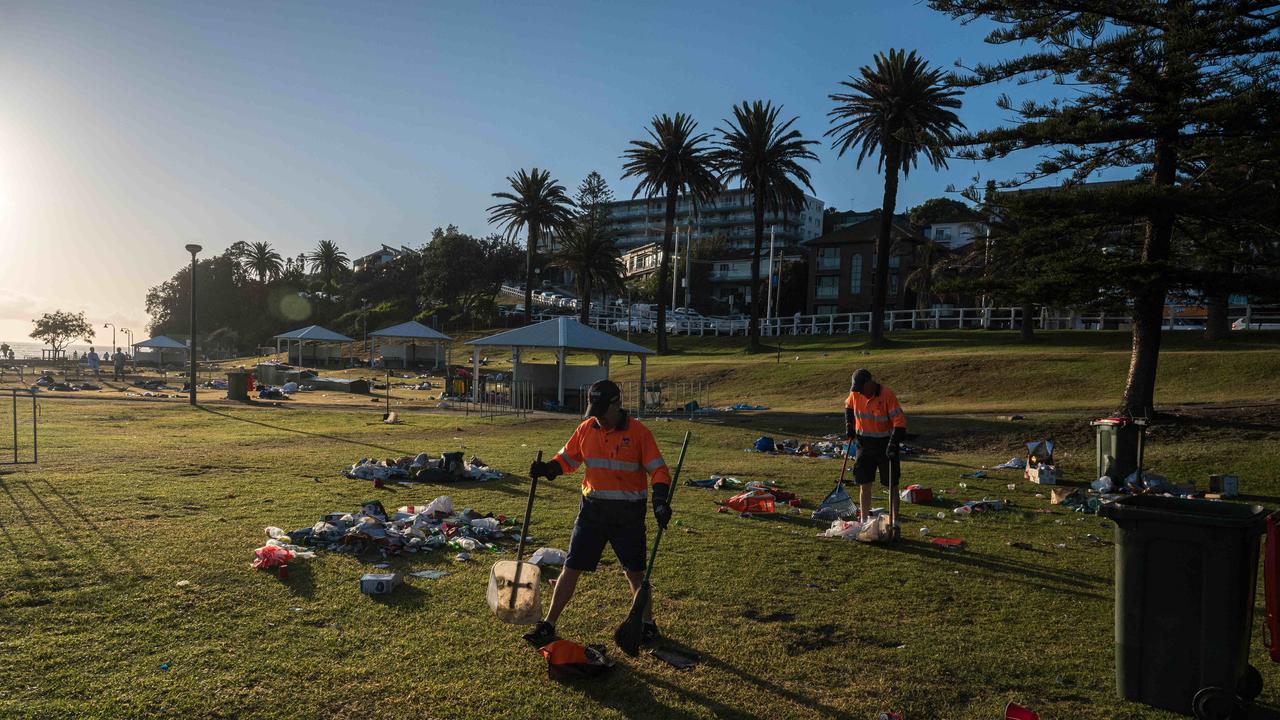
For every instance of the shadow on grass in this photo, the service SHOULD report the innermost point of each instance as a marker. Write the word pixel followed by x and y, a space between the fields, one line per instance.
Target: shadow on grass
pixel 1014 570
pixel 326 436
pixel 134 565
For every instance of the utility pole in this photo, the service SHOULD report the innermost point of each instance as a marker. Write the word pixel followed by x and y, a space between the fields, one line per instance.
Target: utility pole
pixel 768 286
pixel 193 249
pixel 688 265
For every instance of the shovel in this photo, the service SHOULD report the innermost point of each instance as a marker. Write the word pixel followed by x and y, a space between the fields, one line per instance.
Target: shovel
pixel 514 588
pixel 630 633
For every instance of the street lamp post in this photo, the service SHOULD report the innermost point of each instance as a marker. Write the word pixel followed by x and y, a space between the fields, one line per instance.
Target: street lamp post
pixel 368 350
pixel 193 249
pixel 129 334
pixel 113 335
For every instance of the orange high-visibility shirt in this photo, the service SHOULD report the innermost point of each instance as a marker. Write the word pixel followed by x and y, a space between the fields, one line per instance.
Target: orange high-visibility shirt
pixel 877 416
pixel 618 461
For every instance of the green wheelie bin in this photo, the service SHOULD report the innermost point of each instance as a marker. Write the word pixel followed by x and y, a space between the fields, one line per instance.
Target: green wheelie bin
pixel 1185 578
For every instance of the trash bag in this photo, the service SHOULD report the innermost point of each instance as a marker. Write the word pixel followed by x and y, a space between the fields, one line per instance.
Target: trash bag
pixel 764 444
pixel 270 557
pixel 847 529
pixel 568 660
pixel 754 501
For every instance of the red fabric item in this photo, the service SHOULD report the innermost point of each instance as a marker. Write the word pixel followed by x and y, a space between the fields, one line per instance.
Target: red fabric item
pixel 564 652
pixel 270 557
pixel 1014 711
pixel 755 502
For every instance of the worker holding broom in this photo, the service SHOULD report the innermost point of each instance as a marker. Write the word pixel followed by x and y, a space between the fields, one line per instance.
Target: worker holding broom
pixel 621 456
pixel 874 420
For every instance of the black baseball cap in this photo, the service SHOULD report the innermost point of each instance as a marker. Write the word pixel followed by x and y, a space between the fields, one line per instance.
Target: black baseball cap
pixel 860 378
pixel 601 396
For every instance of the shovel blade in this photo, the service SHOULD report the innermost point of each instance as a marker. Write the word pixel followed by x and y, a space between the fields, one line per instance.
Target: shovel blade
pixel 515 600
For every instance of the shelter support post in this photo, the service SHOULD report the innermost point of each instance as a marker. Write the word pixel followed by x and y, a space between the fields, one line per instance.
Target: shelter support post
pixel 475 374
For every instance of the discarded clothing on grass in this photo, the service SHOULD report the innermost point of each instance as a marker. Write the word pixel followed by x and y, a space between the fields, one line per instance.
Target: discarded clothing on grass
pixel 410 529
pixel 1013 463
pixel 568 660
pixel 548 556
pixel 716 482
pixel 981 506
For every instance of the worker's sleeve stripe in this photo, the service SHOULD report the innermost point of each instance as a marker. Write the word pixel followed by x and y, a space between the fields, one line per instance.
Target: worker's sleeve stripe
pixel 654 464
pixel 871 416
pixel 607 464
pixel 568 460
pixel 895 412
pixel 617 494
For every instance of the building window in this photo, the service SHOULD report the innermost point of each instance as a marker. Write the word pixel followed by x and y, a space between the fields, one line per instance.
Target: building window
pixel 724 267
pixel 893 285
pixel 824 310
pixel 828 286
pixel 829 258
pixel 855 278
pixel 895 261
pixel 942 236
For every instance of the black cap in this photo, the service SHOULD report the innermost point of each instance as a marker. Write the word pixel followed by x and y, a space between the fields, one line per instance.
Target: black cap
pixel 600 396
pixel 860 378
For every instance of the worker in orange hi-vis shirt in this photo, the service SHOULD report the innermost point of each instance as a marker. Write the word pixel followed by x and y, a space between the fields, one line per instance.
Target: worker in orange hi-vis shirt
pixel 875 421
pixel 621 457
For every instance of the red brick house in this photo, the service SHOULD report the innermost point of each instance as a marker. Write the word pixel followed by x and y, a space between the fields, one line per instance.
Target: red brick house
pixel 842 267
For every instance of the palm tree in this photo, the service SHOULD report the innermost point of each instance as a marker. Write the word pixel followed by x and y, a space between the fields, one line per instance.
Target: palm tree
pixel 672 161
pixel 538 205
pixel 263 261
pixel 898 111
pixel 933 263
pixel 763 155
pixel 593 257
pixel 327 259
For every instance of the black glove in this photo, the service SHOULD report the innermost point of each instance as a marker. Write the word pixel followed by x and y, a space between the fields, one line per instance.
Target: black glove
pixel 894 451
pixel 661 510
pixel 849 426
pixel 548 470
pixel 849 430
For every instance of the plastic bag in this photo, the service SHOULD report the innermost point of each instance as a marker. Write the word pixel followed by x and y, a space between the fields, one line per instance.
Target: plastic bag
pixel 440 506
pixel 876 529
pixel 753 502
pixel 486 523
pixel 847 529
pixel 270 557
pixel 547 556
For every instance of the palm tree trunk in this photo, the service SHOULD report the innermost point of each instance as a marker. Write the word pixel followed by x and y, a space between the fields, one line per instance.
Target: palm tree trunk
pixel 584 297
pixel 753 332
pixel 664 270
pixel 887 206
pixel 1148 300
pixel 1028 322
pixel 530 241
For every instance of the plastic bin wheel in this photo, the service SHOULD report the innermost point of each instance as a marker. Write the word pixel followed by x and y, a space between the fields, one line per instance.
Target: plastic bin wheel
pixel 1214 703
pixel 1251 684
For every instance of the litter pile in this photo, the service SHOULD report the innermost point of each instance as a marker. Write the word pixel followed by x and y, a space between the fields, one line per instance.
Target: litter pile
pixel 759 498
pixel 716 482
pixel 410 529
pixel 449 467
pixel 831 447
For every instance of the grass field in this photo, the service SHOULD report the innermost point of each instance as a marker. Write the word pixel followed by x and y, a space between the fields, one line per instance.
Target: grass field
pixel 132 497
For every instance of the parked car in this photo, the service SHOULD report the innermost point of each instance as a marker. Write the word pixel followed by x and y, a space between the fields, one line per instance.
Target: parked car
pixel 686 320
pixel 1254 325
pixel 637 325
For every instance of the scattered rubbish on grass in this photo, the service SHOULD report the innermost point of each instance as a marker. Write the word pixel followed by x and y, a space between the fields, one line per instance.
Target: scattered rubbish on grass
pixel 547 556
pixel 948 543
pixel 462 557
pixel 379 583
pixel 164 666
pixel 847 529
pixel 1013 463
pixel 182 583
pixel 1014 711
pixel 975 475
pixel 449 467
pixel 980 506
pixel 917 494
pixel 889 715
pixel 428 574
pixel 568 660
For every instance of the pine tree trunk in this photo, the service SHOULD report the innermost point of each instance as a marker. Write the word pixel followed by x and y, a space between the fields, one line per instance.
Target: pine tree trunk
pixel 887 207
pixel 1149 297
pixel 664 270
pixel 757 215
pixel 1217 323
pixel 584 297
pixel 530 242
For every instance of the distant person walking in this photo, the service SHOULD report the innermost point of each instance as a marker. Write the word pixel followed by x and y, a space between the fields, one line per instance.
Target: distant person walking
pixel 117 362
pixel 95 363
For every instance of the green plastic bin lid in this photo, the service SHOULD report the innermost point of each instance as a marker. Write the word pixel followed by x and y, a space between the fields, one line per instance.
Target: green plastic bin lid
pixel 1186 511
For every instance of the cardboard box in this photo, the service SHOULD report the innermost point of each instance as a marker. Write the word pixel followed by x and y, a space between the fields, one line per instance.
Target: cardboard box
pixel 1043 474
pixel 379 583
pixel 1224 485
pixel 917 494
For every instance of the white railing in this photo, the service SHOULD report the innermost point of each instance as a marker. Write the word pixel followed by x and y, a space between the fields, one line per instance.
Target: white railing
pixel 614 319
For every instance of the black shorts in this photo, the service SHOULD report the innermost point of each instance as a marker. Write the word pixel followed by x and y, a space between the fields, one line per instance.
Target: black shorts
pixel 619 523
pixel 873 456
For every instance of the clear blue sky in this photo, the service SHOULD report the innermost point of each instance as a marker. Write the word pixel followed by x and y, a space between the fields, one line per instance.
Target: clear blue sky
pixel 130 129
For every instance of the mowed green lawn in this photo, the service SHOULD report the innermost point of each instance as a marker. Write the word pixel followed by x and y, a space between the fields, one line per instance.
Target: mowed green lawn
pixel 132 497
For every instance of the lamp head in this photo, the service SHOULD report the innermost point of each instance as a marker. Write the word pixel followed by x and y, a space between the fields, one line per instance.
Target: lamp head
pixel 193 248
